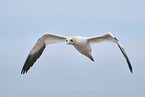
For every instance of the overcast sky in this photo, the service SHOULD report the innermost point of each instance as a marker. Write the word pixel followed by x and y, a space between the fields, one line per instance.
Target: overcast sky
pixel 62 71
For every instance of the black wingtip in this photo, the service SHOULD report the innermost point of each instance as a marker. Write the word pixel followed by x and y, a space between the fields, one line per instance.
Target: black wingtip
pixel 29 62
pixel 23 71
pixel 116 39
pixel 126 57
pixel 31 59
pixel 130 66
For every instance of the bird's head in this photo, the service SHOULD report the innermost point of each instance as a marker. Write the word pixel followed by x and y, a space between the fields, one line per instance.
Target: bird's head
pixel 71 40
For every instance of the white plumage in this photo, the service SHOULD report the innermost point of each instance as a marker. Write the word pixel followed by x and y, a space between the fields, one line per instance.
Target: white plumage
pixel 82 44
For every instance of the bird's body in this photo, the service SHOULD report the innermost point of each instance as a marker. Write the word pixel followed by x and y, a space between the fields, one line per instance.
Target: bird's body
pixel 82 44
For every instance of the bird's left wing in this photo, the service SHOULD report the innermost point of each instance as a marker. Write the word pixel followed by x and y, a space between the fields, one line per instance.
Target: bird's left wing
pixel 110 38
pixel 39 47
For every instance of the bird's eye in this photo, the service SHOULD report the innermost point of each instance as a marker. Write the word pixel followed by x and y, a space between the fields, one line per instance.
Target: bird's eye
pixel 71 40
pixel 66 40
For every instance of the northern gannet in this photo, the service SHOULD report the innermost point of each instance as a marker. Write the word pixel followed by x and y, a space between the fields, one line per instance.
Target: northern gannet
pixel 82 44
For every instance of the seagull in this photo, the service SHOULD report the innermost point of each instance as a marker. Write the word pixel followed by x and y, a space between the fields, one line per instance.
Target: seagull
pixel 82 44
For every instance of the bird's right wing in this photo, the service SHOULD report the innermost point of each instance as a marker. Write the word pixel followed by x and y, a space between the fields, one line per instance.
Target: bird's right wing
pixel 39 47
pixel 110 38
pixel 103 38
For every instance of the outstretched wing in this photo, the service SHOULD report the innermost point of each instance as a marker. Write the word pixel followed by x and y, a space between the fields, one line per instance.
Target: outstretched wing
pixel 110 38
pixel 39 47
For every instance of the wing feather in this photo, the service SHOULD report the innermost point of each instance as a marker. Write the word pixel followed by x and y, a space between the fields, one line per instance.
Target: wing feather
pixel 110 38
pixel 126 57
pixel 38 49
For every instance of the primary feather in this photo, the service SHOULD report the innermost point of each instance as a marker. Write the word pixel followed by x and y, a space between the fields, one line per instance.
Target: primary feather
pixel 39 47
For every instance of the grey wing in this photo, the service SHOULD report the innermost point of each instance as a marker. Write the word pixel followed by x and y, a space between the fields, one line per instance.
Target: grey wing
pixel 38 49
pixel 110 38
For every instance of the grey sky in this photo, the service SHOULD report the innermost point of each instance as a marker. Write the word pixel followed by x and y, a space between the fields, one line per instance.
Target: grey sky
pixel 62 71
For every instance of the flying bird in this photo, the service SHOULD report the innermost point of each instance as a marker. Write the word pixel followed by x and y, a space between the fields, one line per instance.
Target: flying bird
pixel 82 44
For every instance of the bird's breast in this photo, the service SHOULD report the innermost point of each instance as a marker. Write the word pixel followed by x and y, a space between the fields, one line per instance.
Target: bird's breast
pixel 83 48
